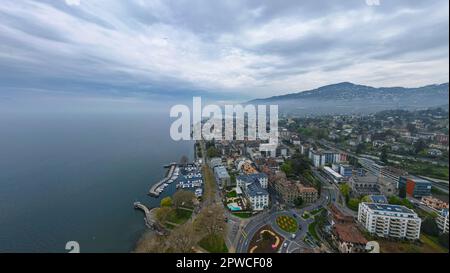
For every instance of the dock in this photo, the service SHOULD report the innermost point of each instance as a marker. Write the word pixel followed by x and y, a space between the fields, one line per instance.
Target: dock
pixel 153 189
pixel 149 221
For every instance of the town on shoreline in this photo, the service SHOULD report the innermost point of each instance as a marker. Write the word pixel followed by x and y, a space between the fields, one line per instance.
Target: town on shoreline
pixel 346 184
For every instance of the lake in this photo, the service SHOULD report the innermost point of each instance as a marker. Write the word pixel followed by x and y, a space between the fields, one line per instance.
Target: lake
pixel 73 175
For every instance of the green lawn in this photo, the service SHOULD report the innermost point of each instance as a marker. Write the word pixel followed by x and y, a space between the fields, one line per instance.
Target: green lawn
pixel 231 194
pixel 312 230
pixel 213 244
pixel 243 215
pixel 179 216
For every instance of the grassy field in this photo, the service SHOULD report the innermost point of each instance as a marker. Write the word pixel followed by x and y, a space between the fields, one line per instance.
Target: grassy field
pixel 312 230
pixel 213 244
pixel 427 245
pixel 426 169
pixel 179 216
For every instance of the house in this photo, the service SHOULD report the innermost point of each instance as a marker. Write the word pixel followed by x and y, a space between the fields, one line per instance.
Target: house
pixel 348 239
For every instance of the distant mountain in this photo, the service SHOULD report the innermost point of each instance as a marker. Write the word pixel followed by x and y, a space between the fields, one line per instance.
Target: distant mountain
pixel 349 98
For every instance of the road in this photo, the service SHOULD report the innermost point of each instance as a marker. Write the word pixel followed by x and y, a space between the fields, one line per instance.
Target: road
pixel 246 232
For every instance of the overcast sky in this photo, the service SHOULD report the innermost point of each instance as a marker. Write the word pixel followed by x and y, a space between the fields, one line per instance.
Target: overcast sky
pixel 257 48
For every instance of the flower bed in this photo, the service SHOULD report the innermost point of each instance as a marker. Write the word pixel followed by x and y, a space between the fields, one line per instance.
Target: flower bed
pixel 287 223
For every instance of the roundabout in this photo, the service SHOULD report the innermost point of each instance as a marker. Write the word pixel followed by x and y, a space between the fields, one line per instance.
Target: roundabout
pixel 287 223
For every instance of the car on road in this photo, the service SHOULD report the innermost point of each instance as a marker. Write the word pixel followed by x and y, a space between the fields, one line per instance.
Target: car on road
pixel 294 215
pixel 293 236
pixel 285 245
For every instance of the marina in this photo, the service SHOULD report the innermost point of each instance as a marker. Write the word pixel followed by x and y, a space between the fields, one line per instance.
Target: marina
pixel 186 176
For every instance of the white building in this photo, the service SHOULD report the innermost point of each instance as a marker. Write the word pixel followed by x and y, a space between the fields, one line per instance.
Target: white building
pixel 442 221
pixel 392 221
pixel 254 187
pixel 371 166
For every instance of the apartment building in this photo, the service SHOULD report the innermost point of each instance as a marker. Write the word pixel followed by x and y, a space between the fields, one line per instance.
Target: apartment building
pixel 390 221
pixel 254 186
pixel 442 221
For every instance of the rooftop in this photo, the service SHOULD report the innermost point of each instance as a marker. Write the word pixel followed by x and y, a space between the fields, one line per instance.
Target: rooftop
pixel 221 172
pixel 255 189
pixel 389 208
pixel 349 233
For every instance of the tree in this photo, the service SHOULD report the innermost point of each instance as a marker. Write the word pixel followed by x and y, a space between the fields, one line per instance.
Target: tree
pixel 298 202
pixel 151 244
pixel 211 221
pixel 419 146
pixel 182 239
pixel 384 155
pixel 360 148
pixel 212 152
pixel 166 202
pixel 287 168
pixel 183 198
pixel 353 204
pixel 162 214
pixel 300 164
pixel 430 227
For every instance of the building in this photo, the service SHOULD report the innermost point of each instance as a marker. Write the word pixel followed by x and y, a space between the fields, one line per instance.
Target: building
pixel 346 170
pixel 366 184
pixel 257 196
pixel 389 221
pixel 321 158
pixel 254 187
pixel 339 217
pixel 434 203
pixel 317 158
pixel 333 175
pixel 442 221
pixel 308 194
pixel 378 199
pixel 214 162
pixel 415 187
pixel 392 175
pixel 371 166
pixel 348 239
pixel 289 191
pixel 222 177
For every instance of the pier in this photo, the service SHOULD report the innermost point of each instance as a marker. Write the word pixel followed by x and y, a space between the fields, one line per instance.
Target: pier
pixel 153 190
pixel 149 221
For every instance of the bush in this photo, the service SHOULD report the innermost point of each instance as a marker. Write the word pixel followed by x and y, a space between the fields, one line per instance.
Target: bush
pixel 443 240
pixel 353 204
pixel 394 200
pixel 166 202
pixel 430 227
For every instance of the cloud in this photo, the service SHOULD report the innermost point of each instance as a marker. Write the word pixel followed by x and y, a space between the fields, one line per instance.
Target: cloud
pixel 73 2
pixel 256 48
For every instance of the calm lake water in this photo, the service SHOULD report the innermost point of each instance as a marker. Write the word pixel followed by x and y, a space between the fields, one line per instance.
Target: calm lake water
pixel 73 176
